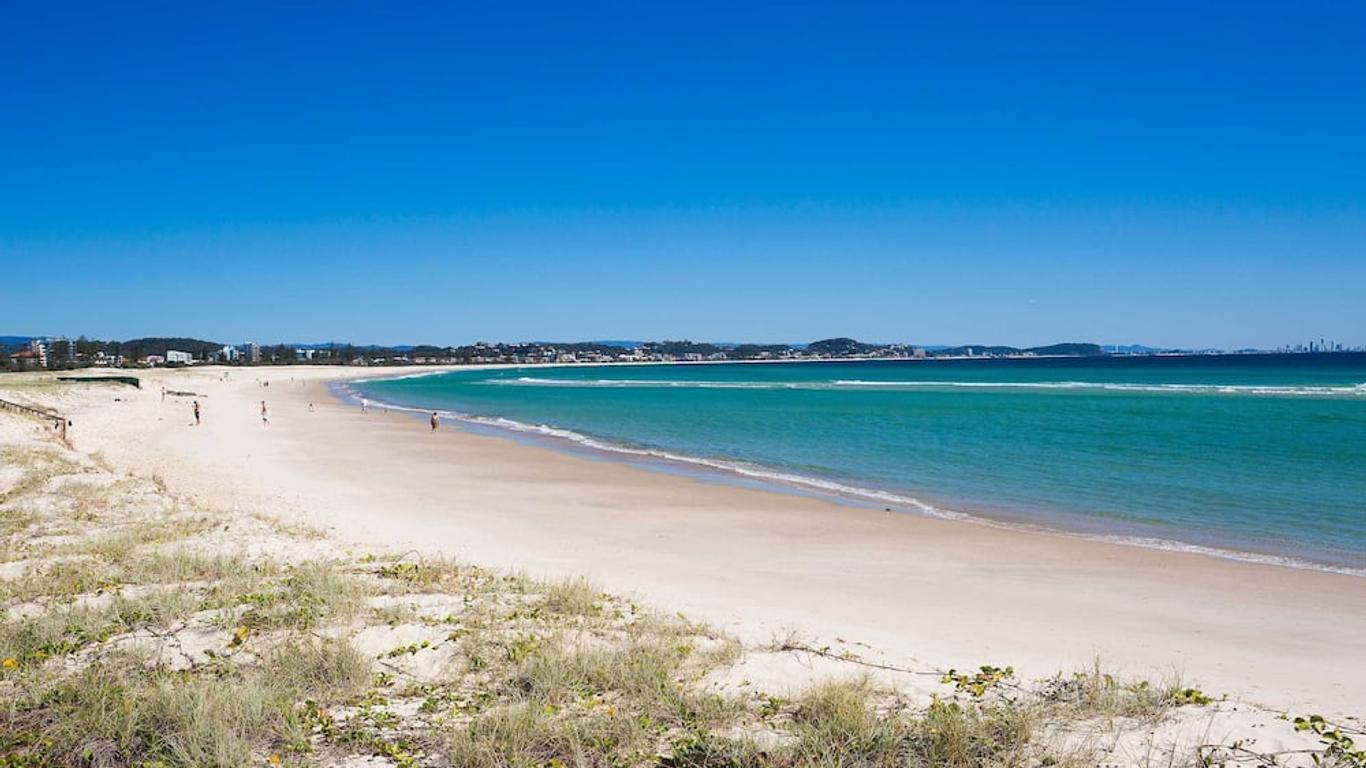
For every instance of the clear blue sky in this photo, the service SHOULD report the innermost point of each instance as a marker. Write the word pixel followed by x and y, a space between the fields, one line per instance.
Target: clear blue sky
pixel 1177 173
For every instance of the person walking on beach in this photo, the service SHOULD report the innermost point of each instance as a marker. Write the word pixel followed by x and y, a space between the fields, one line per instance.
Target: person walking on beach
pixel 436 421
pixel 196 413
pixel 265 415
pixel 364 405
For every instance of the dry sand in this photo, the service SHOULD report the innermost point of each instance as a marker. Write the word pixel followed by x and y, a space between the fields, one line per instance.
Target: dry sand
pixel 907 590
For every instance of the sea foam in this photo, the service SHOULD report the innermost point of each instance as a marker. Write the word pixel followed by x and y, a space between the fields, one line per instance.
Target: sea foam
pixel 1358 390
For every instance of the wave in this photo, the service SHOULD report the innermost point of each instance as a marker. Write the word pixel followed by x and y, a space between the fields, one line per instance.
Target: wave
pixel 1357 390
pixel 842 491
pixel 656 383
pixel 733 467
pixel 398 377
pixel 1223 389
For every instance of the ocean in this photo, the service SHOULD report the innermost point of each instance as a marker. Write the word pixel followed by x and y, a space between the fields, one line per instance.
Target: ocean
pixel 1259 457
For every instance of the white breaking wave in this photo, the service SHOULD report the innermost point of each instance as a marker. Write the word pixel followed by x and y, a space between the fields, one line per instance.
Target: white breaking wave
pixel 733 467
pixel 867 495
pixel 1226 389
pixel 656 383
pixel 1222 389
pixel 398 377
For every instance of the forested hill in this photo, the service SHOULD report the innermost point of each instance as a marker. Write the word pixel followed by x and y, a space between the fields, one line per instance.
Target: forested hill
pixel 159 345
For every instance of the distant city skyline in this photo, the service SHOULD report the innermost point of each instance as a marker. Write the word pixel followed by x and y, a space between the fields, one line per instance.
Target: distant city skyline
pixel 1168 174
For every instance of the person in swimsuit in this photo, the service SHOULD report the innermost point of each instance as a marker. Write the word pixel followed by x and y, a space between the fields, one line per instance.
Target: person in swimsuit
pixel 265 415
pixel 436 421
pixel 196 413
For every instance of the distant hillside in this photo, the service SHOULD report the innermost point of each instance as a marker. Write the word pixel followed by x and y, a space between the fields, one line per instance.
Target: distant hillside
pixel 682 348
pixel 840 347
pixel 1073 348
pixel 748 351
pixel 1133 349
pixel 158 345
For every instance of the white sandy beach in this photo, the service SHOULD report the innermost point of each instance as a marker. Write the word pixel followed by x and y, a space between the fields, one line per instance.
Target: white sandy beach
pixel 912 591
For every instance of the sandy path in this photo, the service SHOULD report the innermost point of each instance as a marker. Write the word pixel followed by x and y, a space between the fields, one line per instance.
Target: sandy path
pixel 923 592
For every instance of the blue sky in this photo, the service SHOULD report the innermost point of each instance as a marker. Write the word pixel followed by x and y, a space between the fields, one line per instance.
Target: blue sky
pixel 1170 173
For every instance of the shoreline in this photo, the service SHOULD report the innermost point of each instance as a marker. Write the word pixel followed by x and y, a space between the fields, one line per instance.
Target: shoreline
pixel 907 590
pixel 385 650
pixel 727 472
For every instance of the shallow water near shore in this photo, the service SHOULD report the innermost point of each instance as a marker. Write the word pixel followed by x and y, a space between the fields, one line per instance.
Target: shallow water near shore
pixel 1261 457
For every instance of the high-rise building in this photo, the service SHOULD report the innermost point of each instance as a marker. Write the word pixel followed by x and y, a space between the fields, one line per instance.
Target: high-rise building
pixel 39 349
pixel 62 350
pixel 253 352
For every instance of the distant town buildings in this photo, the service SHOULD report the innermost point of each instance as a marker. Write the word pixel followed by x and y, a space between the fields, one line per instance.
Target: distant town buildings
pixel 38 351
pixel 26 359
pixel 56 353
pixel 61 350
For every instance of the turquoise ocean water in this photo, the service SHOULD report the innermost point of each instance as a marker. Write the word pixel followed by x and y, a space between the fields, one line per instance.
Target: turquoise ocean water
pixel 1249 456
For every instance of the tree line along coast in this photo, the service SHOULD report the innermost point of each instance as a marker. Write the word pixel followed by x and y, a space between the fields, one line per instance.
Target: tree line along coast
pixel 18 353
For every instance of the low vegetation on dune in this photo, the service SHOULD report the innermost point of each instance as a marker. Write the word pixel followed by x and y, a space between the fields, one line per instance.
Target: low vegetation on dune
pixel 142 630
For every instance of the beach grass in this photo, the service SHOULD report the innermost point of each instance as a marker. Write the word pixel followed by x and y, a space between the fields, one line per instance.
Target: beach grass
pixel 144 629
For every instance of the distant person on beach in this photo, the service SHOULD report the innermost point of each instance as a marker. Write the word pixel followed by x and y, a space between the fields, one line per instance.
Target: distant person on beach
pixel 364 405
pixel 196 413
pixel 163 394
pixel 310 407
pixel 436 421
pixel 265 415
